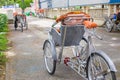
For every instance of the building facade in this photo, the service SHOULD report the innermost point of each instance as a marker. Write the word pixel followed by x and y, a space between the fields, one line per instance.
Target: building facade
pixel 96 8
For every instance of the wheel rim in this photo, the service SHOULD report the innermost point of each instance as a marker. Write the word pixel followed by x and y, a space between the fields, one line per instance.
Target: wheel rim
pixel 21 27
pixel 108 26
pixel 48 57
pixel 98 69
pixel 26 25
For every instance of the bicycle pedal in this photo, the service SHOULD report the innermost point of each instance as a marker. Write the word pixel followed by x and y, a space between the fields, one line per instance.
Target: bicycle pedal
pixel 66 60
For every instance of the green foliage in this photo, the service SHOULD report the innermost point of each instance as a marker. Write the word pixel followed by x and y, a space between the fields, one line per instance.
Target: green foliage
pixel 3 23
pixel 3 38
pixel 3 29
pixel 24 3
pixel 3 58
pixel 3 42
pixel 2 2
pixel 6 2
pixel 55 17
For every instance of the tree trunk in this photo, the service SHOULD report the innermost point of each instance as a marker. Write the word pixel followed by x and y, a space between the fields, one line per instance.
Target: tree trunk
pixel 23 10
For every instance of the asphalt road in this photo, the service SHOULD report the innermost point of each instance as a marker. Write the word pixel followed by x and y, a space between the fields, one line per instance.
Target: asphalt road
pixel 26 54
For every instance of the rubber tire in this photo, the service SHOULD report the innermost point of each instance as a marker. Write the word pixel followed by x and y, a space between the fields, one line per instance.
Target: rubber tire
pixel 15 22
pixel 107 28
pixel 21 27
pixel 26 25
pixel 113 76
pixel 54 61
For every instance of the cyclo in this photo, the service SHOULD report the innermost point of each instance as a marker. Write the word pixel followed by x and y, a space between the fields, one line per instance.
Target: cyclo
pixel 76 31
pixel 112 24
pixel 20 18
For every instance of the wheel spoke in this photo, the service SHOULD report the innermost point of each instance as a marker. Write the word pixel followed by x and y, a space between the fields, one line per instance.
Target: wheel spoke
pixel 98 69
pixel 105 72
pixel 49 61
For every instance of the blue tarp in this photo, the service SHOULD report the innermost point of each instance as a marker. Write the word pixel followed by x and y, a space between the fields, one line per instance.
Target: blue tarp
pixel 115 1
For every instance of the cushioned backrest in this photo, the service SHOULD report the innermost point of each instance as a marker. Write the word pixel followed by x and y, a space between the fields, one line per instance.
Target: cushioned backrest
pixel 75 19
pixel 73 34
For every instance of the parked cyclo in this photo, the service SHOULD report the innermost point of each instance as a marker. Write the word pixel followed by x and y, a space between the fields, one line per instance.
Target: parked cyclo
pixel 76 32
pixel 112 23
pixel 20 21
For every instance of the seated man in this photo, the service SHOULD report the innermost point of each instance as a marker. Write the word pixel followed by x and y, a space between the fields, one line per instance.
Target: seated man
pixel 118 19
pixel 114 16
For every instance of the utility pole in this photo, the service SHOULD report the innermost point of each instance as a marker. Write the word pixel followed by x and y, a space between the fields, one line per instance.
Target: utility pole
pixel 39 4
pixel 68 3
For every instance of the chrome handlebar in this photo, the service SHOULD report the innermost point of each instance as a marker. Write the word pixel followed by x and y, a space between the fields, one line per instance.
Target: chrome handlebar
pixel 93 33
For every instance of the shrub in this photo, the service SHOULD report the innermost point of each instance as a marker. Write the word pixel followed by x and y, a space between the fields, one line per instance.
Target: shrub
pixel 55 17
pixel 3 38
pixel 3 42
pixel 3 23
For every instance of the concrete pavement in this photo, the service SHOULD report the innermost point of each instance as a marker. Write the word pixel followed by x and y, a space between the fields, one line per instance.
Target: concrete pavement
pixel 26 56
pixel 110 43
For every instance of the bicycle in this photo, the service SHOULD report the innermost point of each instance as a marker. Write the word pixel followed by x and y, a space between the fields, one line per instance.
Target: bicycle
pixel 87 61
pixel 111 24
pixel 20 21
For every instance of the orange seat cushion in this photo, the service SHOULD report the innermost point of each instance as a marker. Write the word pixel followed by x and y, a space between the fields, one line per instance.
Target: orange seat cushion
pixel 89 24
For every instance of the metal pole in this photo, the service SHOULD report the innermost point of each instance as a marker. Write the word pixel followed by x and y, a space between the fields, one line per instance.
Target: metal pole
pixel 39 4
pixel 68 3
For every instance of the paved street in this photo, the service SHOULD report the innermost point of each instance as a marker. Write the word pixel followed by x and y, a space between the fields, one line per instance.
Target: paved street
pixel 26 55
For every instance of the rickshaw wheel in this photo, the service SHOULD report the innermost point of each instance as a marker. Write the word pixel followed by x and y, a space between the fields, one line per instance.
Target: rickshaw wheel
pixel 50 63
pixel 109 26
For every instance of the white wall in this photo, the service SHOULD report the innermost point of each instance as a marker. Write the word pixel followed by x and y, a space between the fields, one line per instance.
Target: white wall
pixel 85 2
pixel 44 5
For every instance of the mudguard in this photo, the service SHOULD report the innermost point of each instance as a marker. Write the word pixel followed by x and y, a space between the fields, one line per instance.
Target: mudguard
pixel 110 62
pixel 53 48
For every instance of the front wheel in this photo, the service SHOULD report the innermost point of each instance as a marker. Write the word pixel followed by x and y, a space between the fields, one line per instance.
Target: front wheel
pixel 21 27
pixel 99 69
pixel 109 26
pixel 50 63
pixel 26 25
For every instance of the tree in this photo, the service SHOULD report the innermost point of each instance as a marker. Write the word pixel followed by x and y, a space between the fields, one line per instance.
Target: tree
pixel 2 2
pixel 23 4
pixel 6 2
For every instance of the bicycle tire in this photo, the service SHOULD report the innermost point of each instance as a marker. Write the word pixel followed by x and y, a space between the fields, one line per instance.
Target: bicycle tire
pixel 50 66
pixel 21 23
pixel 26 25
pixel 108 26
pixel 21 27
pixel 15 22
pixel 97 67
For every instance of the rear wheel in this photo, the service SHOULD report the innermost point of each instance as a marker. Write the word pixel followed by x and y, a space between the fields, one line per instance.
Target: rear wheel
pixel 22 23
pixel 26 25
pixel 21 27
pixel 50 63
pixel 99 69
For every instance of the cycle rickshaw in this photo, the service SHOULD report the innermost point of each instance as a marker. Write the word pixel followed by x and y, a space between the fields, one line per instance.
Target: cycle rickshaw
pixel 112 24
pixel 76 31
pixel 20 21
